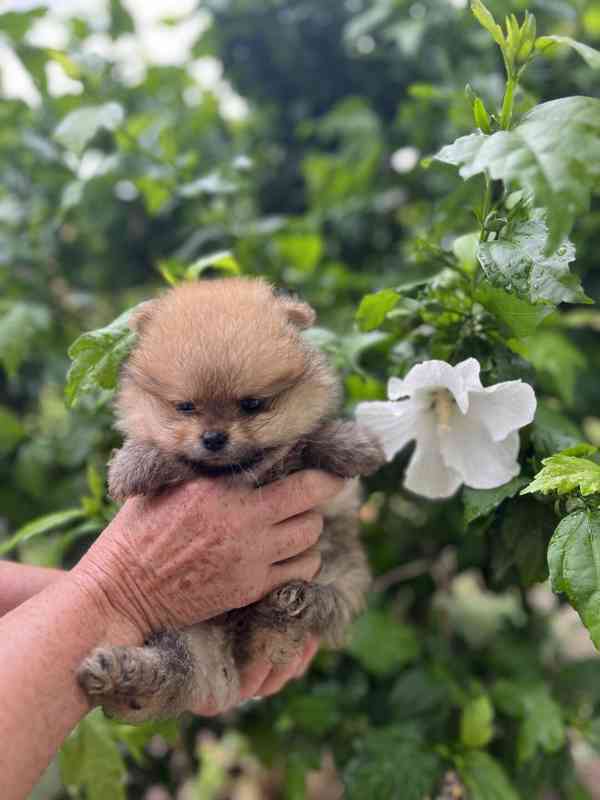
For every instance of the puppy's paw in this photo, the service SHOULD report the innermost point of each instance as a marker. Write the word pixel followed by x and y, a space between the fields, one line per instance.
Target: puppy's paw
pixel 97 674
pixel 291 599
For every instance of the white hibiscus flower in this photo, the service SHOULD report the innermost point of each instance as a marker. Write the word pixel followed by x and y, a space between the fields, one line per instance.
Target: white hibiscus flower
pixel 464 432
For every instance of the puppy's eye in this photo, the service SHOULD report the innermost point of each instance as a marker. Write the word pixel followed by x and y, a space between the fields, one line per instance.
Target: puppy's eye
pixel 186 408
pixel 252 405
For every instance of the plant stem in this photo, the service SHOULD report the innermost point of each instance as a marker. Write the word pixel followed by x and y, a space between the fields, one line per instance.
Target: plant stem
pixel 508 103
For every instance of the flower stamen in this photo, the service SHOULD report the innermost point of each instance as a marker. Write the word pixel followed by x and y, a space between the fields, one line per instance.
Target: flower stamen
pixel 443 406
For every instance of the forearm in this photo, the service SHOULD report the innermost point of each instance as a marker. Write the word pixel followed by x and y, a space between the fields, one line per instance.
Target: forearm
pixel 43 642
pixel 19 582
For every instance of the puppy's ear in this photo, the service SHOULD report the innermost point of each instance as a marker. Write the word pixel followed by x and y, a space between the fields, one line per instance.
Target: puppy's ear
pixel 299 314
pixel 140 315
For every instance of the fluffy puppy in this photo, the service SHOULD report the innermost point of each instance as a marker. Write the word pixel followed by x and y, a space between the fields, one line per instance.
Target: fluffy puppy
pixel 222 383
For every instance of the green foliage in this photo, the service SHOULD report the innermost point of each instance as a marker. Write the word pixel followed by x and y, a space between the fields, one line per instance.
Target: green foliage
pixel 550 154
pixel 574 561
pixel 484 777
pixel 476 722
pixel 541 720
pixel 97 356
pixel 480 502
pixel 381 644
pixel 391 764
pixel 565 472
pixel 519 265
pixel 373 308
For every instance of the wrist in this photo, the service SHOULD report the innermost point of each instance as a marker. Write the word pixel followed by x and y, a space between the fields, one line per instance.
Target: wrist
pixel 100 588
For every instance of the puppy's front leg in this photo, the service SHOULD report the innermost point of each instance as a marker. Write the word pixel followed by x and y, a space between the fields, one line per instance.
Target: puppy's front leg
pixel 344 448
pixel 141 468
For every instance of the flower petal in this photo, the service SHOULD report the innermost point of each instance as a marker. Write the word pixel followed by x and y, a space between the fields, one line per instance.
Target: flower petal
pixel 467 446
pixel 395 389
pixel 504 407
pixel 469 373
pixel 393 423
pixel 427 474
pixel 432 375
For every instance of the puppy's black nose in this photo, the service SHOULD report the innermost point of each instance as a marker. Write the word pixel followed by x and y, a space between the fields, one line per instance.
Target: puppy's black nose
pixel 214 440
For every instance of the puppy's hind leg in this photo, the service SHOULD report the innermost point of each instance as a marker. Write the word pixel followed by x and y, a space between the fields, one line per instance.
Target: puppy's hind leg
pixel 136 684
pixel 174 672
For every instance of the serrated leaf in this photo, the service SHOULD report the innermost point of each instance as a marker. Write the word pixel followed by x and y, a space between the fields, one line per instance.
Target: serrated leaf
pixel 381 644
pixel 44 524
pixel 480 502
pixel 97 356
pixel 518 264
pixel 476 722
pixel 487 21
pixel 391 764
pixel 485 778
pixel 90 759
pixel 553 154
pixel 589 55
pixel 520 317
pixel 224 260
pixel 574 562
pixel 20 326
pixel 374 308
pixel 79 126
pixel 563 473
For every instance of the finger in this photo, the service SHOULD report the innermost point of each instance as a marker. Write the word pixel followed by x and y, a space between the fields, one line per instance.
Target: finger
pixel 279 676
pixel 294 536
pixel 309 653
pixel 252 678
pixel 297 493
pixel 300 568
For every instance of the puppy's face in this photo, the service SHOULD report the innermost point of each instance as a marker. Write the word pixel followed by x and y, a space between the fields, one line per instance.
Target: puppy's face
pixel 221 376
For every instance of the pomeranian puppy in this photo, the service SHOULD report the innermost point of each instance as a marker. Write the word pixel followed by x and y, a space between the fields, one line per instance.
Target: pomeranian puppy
pixel 222 383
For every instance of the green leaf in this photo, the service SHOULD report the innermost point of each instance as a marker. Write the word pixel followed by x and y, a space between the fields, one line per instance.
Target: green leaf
pixel 520 317
pixel 381 644
pixel 486 20
pixel 465 249
pixel 391 764
pixel 476 722
pixel 45 524
pixel 90 759
pixel 155 191
pixel 480 502
pixel 81 125
pixel 552 431
pixel 518 264
pixel 574 562
pixel 97 356
pixel 374 308
pixel 224 260
pixel 553 154
pixel 20 327
pixel 589 55
pixel 542 725
pixel 301 250
pixel 12 431
pixel 564 473
pixel 525 532
pixel 485 778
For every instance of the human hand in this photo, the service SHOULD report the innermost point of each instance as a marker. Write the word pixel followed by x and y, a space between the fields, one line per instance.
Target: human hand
pixel 203 548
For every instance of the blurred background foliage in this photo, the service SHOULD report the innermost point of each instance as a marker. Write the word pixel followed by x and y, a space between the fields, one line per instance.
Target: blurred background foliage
pixel 285 137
